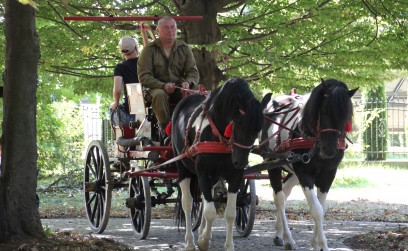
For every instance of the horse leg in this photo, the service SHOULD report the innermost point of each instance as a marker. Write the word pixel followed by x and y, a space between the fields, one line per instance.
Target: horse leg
pixel 283 236
pixel 288 185
pixel 209 214
pixel 319 241
pixel 321 196
pixel 203 222
pixel 187 203
pixel 229 215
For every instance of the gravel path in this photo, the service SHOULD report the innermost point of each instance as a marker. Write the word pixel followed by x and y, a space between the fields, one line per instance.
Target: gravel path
pixel 164 235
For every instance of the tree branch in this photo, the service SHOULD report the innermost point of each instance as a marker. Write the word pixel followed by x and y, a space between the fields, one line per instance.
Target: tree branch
pixel 235 5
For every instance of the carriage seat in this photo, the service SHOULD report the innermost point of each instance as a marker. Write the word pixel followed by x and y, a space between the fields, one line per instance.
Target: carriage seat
pixel 140 106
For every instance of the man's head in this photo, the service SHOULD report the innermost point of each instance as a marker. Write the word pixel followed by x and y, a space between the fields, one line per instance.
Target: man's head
pixel 127 45
pixel 167 29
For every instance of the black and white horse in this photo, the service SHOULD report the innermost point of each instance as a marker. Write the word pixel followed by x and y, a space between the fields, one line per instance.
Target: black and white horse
pixel 313 126
pixel 197 119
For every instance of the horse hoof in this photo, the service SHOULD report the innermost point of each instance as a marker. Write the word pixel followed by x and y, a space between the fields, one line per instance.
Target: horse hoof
pixel 289 246
pixel 278 241
pixel 203 245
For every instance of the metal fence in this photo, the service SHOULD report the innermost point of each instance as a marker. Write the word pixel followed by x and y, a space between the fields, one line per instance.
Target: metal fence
pixel 393 130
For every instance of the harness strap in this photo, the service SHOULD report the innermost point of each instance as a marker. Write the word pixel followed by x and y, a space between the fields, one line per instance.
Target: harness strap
pixel 282 125
pixel 200 147
pixel 214 129
pixel 304 143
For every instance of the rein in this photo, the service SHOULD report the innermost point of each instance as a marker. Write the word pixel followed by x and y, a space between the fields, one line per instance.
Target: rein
pixel 222 146
pixel 280 125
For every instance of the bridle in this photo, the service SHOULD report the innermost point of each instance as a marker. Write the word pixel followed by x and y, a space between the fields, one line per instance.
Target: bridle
pixel 302 140
pixel 231 141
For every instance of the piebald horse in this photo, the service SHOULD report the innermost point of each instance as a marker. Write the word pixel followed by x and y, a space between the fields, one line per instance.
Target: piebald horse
pixel 198 119
pixel 313 126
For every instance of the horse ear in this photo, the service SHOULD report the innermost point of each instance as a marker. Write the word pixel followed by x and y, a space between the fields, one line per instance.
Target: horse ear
pixel 352 92
pixel 322 80
pixel 266 99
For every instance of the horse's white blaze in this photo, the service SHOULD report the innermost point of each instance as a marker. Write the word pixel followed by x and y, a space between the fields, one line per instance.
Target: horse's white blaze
pixel 209 214
pixel 187 203
pixel 319 241
pixel 229 215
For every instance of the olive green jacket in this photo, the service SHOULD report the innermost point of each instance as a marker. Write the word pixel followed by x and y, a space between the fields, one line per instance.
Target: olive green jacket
pixel 155 69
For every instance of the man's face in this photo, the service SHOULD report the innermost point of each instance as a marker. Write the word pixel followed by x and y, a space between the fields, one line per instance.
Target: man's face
pixel 168 29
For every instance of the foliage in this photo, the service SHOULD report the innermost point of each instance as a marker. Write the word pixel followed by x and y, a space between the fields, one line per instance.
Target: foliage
pixel 279 45
pixel 60 143
pixel 48 231
pixel 282 44
pixel 350 182
pixel 376 132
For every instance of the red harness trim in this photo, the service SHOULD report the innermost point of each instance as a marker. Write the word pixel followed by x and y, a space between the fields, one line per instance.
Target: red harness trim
pixel 207 147
pixel 303 143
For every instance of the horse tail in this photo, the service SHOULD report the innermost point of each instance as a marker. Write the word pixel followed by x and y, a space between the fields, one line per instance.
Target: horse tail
pixel 196 194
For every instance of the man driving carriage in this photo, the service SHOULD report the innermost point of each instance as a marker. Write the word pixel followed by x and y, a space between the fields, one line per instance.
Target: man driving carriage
pixel 165 64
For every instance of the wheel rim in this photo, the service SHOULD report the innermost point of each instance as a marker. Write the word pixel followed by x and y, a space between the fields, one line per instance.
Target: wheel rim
pixel 97 193
pixel 246 206
pixel 140 215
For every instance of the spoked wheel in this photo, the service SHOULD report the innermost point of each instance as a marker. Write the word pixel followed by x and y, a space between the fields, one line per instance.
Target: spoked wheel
pixel 97 188
pixel 140 206
pixel 246 207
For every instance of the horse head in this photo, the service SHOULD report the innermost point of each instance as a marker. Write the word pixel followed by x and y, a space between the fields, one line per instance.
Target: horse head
pixel 236 105
pixel 326 115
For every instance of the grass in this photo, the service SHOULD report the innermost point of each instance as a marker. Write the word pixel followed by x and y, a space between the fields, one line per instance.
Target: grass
pixel 351 180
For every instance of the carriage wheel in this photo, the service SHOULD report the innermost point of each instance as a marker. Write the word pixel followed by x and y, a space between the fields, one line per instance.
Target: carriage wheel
pixel 246 208
pixel 97 188
pixel 140 206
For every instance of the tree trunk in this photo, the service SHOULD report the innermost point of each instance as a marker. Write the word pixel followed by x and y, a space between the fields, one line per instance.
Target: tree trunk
pixel 204 32
pixel 18 182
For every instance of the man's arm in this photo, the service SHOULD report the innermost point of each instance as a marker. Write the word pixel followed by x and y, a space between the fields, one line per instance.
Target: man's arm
pixel 143 27
pixel 117 88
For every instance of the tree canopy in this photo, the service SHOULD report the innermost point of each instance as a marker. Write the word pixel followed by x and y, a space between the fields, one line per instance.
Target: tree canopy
pixel 274 44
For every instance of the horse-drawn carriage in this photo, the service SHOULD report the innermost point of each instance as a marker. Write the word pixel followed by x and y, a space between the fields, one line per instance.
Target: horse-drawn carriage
pixel 139 146
pixel 304 135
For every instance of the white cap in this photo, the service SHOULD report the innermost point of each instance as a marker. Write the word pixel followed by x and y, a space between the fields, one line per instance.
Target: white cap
pixel 127 45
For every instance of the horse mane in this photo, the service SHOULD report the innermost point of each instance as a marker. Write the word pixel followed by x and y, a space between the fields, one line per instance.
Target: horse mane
pixel 225 102
pixel 339 108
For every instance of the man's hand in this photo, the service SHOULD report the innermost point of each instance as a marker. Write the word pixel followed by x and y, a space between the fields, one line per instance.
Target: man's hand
pixel 169 87
pixel 185 85
pixel 113 105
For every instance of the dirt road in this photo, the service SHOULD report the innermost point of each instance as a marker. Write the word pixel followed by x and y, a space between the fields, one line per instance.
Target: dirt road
pixel 164 235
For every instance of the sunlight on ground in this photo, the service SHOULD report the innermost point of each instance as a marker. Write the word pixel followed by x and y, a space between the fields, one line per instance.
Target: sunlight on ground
pixel 384 184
